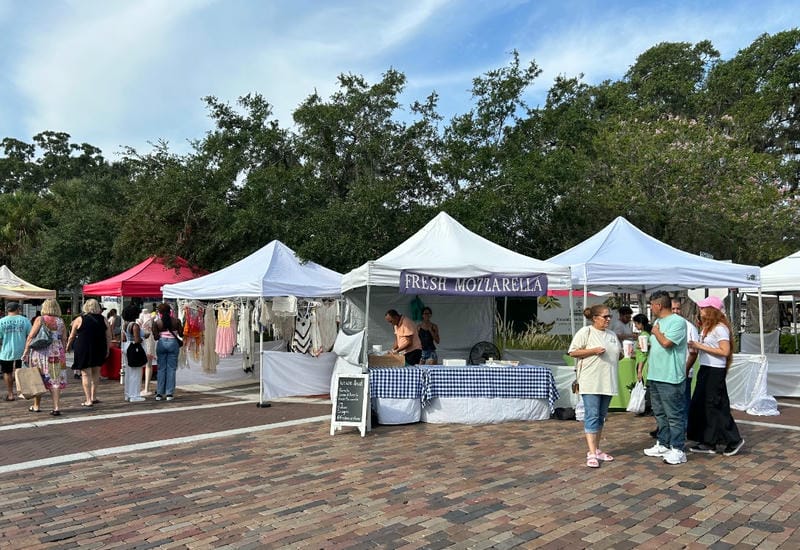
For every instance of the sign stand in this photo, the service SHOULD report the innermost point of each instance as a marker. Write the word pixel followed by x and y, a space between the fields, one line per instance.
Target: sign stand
pixel 350 402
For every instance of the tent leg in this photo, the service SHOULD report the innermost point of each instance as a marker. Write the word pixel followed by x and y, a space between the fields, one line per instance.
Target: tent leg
pixel 261 404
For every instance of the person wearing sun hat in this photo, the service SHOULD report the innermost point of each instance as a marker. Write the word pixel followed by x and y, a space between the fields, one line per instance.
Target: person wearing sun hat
pixel 710 420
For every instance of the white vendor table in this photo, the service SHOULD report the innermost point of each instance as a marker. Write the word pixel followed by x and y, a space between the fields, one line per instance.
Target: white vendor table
pixel 287 374
pixel 480 394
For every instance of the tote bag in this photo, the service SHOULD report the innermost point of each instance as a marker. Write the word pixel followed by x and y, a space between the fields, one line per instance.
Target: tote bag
pixel 29 382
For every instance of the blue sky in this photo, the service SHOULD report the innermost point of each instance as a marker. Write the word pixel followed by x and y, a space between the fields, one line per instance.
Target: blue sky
pixel 124 73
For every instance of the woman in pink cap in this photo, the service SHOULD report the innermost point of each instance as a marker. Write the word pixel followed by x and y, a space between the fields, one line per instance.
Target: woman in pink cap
pixel 710 420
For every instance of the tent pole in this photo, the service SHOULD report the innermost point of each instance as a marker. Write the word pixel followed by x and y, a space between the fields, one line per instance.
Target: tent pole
pixel 761 321
pixel 261 404
pixel 585 291
pixel 794 324
pixel 365 344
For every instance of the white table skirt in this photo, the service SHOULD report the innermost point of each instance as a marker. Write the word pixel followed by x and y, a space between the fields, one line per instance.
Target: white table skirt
pixel 460 410
pixel 288 374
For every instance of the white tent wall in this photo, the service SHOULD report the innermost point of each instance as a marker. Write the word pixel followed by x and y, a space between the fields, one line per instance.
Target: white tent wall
pixel 463 321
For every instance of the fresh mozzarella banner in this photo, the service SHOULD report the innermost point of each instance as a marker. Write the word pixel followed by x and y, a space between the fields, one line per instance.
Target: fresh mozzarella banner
pixel 496 284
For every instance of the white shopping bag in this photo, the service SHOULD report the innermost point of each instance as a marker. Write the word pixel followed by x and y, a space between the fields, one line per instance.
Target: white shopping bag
pixel 636 403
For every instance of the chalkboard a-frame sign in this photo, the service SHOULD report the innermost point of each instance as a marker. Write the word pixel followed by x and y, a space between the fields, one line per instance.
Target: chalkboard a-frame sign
pixel 350 402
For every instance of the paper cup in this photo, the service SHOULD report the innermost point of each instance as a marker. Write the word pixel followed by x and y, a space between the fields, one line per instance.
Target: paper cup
pixel 643 343
pixel 627 348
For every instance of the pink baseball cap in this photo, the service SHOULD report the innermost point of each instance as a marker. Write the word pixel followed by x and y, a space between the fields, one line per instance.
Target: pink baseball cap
pixel 711 301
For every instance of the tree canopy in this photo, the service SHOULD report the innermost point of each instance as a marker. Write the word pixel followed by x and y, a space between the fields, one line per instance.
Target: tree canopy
pixel 700 152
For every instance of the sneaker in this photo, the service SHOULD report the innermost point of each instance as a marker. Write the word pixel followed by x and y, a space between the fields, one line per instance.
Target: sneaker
pixel 732 449
pixel 170 398
pixel 702 448
pixel 675 456
pixel 656 450
pixel 158 397
pixel 137 399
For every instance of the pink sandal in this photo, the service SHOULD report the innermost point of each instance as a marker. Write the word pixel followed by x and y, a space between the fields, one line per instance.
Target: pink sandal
pixel 591 461
pixel 603 456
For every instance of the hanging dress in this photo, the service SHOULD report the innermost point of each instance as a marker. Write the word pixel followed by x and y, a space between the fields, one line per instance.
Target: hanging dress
pixel 226 331
pixel 210 357
pixel 301 342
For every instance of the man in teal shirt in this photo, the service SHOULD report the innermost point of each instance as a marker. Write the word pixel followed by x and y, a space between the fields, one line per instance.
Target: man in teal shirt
pixel 666 373
pixel 14 329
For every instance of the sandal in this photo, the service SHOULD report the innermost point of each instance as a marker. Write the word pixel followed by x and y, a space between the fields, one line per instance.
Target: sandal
pixel 603 456
pixel 31 409
pixel 12 398
pixel 55 413
pixel 86 405
pixel 591 461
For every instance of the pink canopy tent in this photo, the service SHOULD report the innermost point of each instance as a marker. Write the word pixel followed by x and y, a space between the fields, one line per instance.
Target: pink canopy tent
pixel 145 279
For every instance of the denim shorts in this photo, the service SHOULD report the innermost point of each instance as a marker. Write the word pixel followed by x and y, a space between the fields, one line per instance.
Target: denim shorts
pixel 595 412
pixel 431 354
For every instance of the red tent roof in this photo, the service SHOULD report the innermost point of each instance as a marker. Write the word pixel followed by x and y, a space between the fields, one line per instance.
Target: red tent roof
pixel 145 279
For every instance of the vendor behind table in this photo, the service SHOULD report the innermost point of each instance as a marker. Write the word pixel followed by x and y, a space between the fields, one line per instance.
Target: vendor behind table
pixel 406 338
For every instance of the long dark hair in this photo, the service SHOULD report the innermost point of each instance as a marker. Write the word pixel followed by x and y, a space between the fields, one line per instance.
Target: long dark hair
pixel 642 319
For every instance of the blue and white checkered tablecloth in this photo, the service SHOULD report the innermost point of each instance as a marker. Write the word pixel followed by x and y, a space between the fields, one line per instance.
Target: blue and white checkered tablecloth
pixel 426 382
pixel 520 382
pixel 397 382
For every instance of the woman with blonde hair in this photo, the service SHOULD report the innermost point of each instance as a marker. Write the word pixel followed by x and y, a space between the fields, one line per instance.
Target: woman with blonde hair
pixel 90 337
pixel 710 419
pixel 51 360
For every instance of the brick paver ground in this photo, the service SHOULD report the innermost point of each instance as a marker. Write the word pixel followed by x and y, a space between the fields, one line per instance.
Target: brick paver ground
pixel 509 485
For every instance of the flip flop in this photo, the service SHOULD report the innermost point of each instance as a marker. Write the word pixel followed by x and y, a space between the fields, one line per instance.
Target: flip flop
pixel 31 409
pixel 86 405
pixel 10 398
pixel 55 413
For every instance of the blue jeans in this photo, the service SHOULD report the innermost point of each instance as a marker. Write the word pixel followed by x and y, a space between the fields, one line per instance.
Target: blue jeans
pixel 595 412
pixel 669 408
pixel 167 353
pixel 688 399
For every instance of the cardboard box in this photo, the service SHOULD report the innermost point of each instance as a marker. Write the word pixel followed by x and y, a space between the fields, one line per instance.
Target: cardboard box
pixel 388 360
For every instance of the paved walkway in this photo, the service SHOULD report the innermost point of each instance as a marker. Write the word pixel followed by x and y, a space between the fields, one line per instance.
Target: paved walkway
pixel 212 470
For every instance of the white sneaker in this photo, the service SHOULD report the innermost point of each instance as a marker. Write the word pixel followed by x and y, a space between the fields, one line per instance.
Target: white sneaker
pixel 137 399
pixel 656 450
pixel 675 456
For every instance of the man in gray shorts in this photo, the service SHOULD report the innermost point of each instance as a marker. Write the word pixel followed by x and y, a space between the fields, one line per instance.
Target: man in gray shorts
pixel 14 329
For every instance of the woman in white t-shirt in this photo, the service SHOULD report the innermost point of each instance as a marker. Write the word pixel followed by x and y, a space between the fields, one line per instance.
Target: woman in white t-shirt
pixel 710 419
pixel 597 350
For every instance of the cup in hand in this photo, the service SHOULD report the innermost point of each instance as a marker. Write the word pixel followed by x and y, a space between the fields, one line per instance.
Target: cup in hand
pixel 643 343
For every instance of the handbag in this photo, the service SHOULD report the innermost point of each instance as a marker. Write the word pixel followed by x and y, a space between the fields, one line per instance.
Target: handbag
pixel 29 382
pixel 636 403
pixel 136 355
pixel 43 338
pixel 576 389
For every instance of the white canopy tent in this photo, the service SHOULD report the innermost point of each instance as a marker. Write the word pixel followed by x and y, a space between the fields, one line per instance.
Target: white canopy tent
pixel 274 270
pixel 783 276
pixel 442 248
pixel 12 286
pixel 623 258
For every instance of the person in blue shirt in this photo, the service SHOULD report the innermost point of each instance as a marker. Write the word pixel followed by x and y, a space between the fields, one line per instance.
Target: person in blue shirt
pixel 666 372
pixel 14 329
